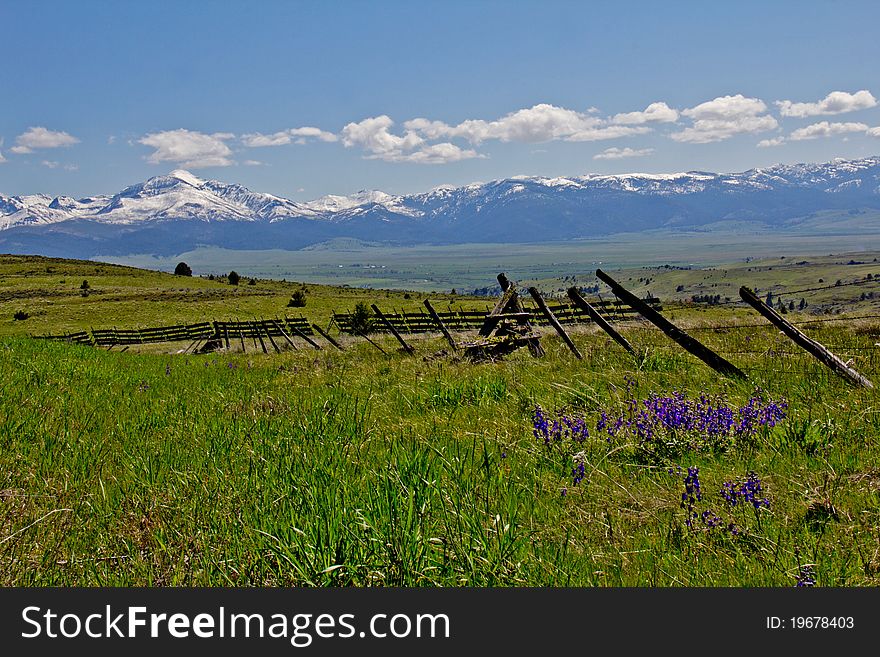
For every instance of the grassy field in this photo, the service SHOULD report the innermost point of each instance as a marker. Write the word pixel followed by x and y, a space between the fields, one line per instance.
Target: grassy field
pixel 356 468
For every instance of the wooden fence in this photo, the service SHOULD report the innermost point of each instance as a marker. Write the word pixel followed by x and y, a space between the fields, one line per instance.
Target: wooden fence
pixel 467 320
pixel 188 332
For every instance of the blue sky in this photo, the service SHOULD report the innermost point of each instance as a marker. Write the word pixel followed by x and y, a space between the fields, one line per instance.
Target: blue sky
pixel 303 99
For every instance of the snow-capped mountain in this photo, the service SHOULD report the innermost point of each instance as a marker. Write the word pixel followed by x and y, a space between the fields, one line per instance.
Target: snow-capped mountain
pixel 175 212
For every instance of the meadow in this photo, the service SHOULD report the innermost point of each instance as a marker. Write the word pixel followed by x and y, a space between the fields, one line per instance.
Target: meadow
pixel 357 468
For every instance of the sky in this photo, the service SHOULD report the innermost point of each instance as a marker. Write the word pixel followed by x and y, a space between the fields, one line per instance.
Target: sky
pixel 303 99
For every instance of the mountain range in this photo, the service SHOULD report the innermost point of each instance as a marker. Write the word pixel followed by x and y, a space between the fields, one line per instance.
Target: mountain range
pixel 177 212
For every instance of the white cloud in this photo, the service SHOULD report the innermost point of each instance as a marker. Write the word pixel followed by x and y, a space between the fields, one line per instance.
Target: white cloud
pixel 374 136
pixel 2 159
pixel 189 149
pixel 71 167
pixel 49 165
pixel 826 129
pixel 768 143
pixel 724 117
pixel 874 132
pixel 438 154
pixel 253 163
pixel 837 102
pixel 620 153
pixel 655 112
pixel 540 123
pixel 297 135
pixel 39 137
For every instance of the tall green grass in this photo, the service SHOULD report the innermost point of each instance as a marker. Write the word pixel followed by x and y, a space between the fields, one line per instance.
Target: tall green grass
pixel 359 469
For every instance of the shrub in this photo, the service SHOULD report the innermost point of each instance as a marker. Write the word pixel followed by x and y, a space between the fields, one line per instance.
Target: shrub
pixel 85 285
pixel 233 277
pixel 297 299
pixel 20 315
pixel 252 281
pixel 361 318
pixel 183 269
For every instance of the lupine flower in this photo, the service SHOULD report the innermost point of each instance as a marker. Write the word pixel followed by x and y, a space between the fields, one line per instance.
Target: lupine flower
pixel 806 576
pixel 748 491
pixel 691 495
pixel 671 421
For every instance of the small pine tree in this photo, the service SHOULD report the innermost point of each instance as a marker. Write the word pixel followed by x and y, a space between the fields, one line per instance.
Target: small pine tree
pixel 253 281
pixel 85 285
pixel 233 277
pixel 361 318
pixel 297 299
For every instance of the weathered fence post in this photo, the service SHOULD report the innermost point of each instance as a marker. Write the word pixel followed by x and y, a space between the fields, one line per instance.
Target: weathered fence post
pixel 554 322
pixel 813 347
pixel 594 314
pixel 327 337
pixel 509 298
pixel 393 330
pixel 364 336
pixel 304 336
pixel 286 337
pixel 439 322
pixel 695 347
pixel 269 335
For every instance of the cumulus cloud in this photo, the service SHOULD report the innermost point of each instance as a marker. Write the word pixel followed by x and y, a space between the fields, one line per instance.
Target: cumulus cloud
pixel 296 135
pixel 40 137
pixel 375 137
pixel 768 143
pixel 826 129
pixel 655 112
pixel 540 123
pixel 874 132
pixel 437 154
pixel 837 102
pixel 188 148
pixel 724 117
pixel 620 153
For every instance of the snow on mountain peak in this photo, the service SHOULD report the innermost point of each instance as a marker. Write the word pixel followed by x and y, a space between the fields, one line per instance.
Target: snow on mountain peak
pixel 187 177
pixel 180 195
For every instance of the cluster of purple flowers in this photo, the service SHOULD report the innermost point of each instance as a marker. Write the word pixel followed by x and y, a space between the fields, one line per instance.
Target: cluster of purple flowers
pixel 671 420
pixel 558 429
pixel 745 491
pixel 705 416
pixel 748 490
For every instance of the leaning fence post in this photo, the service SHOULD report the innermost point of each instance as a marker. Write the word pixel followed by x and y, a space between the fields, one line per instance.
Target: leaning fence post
pixel 439 322
pixel 594 314
pixel 695 347
pixel 327 337
pixel 554 322
pixel 393 330
pixel 816 349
